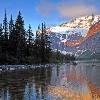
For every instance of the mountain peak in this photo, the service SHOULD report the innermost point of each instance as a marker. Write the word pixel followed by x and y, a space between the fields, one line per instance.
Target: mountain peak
pixel 74 36
pixel 95 28
pixel 81 22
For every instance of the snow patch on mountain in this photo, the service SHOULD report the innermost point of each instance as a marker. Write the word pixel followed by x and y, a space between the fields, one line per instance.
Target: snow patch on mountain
pixel 72 31
pixel 78 25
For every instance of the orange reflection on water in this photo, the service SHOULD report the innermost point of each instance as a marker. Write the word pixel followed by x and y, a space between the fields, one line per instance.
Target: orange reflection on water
pixel 66 93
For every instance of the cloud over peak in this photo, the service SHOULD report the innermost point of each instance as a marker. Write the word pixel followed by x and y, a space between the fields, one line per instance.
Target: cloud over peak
pixel 66 8
pixel 76 10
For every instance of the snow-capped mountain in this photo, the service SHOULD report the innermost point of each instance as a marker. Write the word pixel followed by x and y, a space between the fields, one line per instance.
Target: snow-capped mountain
pixel 78 25
pixel 73 31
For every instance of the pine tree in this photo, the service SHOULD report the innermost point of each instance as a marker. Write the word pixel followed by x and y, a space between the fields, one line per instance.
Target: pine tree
pixel 30 41
pixel 11 25
pixel 1 38
pixel 43 44
pixel 30 36
pixel 13 42
pixel 17 45
pixel 21 37
pixel 5 26
pixel 11 37
pixel 1 31
pixel 5 40
pixel 47 44
pixel 37 45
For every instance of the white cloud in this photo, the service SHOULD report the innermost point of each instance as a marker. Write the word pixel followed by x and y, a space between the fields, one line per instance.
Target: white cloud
pixel 75 10
pixel 45 8
pixel 66 9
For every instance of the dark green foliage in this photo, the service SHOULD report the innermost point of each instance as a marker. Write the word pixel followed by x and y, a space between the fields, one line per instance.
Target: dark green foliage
pixel 58 57
pixel 20 37
pixel 30 41
pixel 18 46
pixel 5 39
pixel 1 31
pixel 5 26
pixel 11 25
pixel 1 38
pixel 42 44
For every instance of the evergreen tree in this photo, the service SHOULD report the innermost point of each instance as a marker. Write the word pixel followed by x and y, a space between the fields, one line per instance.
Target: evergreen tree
pixel 30 36
pixel 20 47
pixel 37 46
pixel 5 26
pixel 1 38
pixel 20 37
pixel 5 40
pixel 11 37
pixel 1 31
pixel 11 25
pixel 43 44
pixel 47 44
pixel 13 42
pixel 30 41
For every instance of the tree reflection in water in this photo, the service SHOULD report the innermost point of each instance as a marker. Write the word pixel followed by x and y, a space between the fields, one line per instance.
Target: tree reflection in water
pixel 60 82
pixel 73 85
pixel 42 80
pixel 18 85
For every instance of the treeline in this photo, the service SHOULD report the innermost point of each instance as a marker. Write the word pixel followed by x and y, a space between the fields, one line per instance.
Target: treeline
pixel 58 57
pixel 20 46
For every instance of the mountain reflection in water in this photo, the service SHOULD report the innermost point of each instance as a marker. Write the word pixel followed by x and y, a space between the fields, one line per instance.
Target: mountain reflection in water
pixel 70 81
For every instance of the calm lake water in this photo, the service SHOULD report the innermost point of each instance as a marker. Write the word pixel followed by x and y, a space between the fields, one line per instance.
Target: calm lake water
pixel 72 81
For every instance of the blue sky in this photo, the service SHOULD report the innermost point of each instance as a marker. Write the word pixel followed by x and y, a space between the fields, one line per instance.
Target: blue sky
pixel 51 11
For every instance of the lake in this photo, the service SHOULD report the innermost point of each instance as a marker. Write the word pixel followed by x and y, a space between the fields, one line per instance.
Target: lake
pixel 78 80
